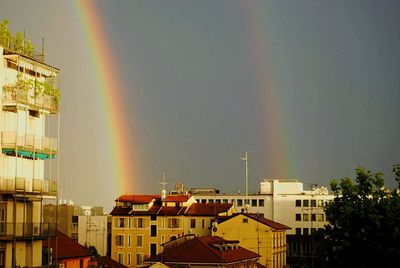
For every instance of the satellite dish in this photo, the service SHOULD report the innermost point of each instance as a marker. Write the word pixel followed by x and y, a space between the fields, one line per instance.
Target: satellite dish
pixel 214 229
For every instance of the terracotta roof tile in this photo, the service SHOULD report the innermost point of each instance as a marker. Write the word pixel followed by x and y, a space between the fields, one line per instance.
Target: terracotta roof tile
pixel 118 211
pixel 271 223
pixel 207 209
pixel 171 211
pixel 176 198
pixel 203 250
pixel 137 199
pixel 66 247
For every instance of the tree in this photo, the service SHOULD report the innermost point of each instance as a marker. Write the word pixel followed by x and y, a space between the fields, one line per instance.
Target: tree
pixel 364 222
pixel 5 34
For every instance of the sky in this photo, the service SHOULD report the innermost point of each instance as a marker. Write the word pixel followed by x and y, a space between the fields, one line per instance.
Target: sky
pixel 310 89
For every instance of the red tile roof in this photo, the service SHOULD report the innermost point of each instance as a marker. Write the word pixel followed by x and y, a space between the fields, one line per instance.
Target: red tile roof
pixel 171 211
pixel 204 250
pixel 110 263
pixel 275 225
pixel 118 211
pixel 271 223
pixel 176 198
pixel 137 199
pixel 66 247
pixel 207 209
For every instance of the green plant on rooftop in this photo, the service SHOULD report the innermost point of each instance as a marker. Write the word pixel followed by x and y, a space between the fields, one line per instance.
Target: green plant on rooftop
pixel 18 43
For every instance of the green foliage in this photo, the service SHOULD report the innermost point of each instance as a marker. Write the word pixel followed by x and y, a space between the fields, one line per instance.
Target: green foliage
pixel 17 43
pixel 364 222
pixel 5 34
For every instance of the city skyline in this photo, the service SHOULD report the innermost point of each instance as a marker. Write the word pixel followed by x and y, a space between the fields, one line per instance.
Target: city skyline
pixel 309 89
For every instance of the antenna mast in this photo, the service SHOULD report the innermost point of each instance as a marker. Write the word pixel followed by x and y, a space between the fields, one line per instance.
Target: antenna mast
pixel 246 172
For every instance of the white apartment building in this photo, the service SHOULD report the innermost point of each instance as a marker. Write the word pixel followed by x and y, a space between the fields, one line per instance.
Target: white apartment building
pixel 28 168
pixel 93 231
pixel 283 201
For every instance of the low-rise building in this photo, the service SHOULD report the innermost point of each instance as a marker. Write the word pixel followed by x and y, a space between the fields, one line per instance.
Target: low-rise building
pixel 284 201
pixel 141 224
pixel 210 251
pixel 256 233
pixel 65 252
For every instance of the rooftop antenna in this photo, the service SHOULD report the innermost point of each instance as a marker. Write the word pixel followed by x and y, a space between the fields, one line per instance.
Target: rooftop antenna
pixel 246 171
pixel 163 183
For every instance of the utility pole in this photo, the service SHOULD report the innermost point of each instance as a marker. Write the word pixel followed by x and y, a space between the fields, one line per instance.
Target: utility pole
pixel 246 172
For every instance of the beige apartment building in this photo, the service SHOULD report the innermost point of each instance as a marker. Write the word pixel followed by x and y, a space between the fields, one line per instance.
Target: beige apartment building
pixel 29 100
pixel 141 224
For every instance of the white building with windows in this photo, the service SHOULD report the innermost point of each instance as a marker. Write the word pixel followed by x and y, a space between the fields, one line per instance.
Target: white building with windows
pixel 283 201
pixel 93 231
pixel 29 102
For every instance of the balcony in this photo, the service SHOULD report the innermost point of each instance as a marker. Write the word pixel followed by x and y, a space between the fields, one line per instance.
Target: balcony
pixel 28 186
pixel 14 95
pixel 28 145
pixel 27 230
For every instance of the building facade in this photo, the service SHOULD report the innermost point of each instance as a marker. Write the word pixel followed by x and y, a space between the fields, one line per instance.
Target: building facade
pixel 94 231
pixel 283 201
pixel 258 234
pixel 141 224
pixel 28 168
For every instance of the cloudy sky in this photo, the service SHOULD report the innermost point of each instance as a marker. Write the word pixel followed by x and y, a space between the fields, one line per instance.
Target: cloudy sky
pixel 310 89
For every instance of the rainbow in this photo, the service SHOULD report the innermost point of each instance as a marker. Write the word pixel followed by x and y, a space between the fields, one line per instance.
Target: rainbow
pixel 276 154
pixel 103 61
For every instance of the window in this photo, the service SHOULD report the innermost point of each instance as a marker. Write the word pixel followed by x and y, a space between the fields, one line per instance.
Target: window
pixel 305 203
pixel 120 257
pixel 261 202
pixel 129 259
pixel 313 217
pixel 245 220
pixel 298 217
pixel 320 203
pixel 298 203
pixel 139 259
pixel 173 223
pixel 139 241
pixel 120 223
pixel 320 217
pixel 306 217
pixel 153 249
pixel 247 201
pixel 305 231
pixel 203 201
pixel 153 230
pixel 202 223
pixel 298 231
pixel 210 201
pixel 119 240
pixel 313 230
pixel 313 203
pixel 192 223
pixel 140 223
pixel 218 201
pixel 240 202
pixel 153 217
pixel 253 202
pixel 129 240
pixel 225 201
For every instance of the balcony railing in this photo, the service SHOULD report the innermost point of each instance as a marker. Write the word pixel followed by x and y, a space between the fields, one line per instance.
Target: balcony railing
pixel 28 186
pixel 14 95
pixel 29 145
pixel 27 230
